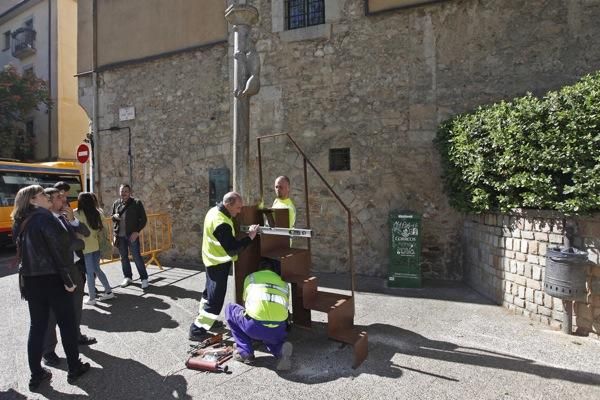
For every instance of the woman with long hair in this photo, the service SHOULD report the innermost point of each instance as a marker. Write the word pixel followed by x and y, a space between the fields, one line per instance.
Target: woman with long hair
pixel 89 214
pixel 43 249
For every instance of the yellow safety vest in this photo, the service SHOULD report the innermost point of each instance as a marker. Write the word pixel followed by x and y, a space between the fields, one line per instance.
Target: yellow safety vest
pixel 266 297
pixel 212 251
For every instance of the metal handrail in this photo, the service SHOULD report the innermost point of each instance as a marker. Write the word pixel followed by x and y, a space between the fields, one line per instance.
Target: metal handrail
pixel 307 161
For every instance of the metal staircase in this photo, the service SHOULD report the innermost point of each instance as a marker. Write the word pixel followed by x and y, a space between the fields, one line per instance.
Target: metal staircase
pixel 296 268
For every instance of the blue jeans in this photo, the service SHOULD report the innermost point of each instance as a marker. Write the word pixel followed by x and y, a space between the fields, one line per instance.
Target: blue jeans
pixel 92 266
pixel 124 245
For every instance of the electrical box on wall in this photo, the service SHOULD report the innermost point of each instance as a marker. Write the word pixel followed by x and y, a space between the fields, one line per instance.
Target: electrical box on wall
pixel 218 183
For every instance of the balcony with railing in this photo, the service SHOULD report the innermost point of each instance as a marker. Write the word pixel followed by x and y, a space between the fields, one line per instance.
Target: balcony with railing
pixel 23 42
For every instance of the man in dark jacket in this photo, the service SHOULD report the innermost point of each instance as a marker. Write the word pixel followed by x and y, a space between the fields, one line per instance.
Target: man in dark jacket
pixel 64 188
pixel 129 218
pixel 66 219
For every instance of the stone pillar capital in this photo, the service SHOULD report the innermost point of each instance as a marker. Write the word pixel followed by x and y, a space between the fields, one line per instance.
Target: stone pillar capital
pixel 241 14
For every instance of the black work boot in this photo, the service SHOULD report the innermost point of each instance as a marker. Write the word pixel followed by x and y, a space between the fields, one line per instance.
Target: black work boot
pixel 197 334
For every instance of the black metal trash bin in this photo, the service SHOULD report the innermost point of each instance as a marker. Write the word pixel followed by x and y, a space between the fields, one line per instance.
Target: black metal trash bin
pixel 566 273
pixel 566 279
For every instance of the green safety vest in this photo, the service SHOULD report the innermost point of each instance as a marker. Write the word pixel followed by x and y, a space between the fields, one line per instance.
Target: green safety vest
pixel 266 297
pixel 289 204
pixel 212 251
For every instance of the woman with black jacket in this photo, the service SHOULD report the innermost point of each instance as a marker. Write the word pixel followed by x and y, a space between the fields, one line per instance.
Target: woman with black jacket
pixel 44 255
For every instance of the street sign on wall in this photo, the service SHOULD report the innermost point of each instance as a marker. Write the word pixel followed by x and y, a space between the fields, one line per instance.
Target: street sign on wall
pixel 126 113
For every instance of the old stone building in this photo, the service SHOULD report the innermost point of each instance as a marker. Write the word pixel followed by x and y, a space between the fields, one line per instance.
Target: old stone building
pixel 374 78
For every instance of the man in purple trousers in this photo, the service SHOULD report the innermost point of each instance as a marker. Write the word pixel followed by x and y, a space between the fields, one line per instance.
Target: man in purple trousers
pixel 263 318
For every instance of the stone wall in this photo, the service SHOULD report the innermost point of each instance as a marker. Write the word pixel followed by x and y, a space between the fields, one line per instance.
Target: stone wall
pixel 181 130
pixel 505 257
pixel 381 84
pixel 378 85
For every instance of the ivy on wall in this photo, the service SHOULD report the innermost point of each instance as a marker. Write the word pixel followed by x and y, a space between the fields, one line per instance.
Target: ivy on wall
pixel 527 153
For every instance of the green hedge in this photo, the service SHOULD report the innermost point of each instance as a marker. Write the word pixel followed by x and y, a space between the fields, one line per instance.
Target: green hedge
pixel 528 153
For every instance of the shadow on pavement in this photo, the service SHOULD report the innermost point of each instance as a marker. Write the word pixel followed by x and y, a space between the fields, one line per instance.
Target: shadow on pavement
pixel 387 341
pixel 129 313
pixel 12 394
pixel 50 393
pixel 119 378
pixel 171 290
pixel 184 265
pixel 394 340
pixel 318 360
pixel 432 289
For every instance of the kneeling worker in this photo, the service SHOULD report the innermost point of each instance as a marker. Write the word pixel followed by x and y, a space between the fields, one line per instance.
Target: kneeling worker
pixel 264 317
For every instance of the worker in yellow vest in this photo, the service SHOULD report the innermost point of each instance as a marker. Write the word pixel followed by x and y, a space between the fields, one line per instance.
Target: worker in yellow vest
pixel 264 317
pixel 219 249
pixel 282 190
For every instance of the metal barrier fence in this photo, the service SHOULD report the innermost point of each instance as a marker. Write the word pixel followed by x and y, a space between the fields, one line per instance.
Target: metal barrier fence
pixel 154 238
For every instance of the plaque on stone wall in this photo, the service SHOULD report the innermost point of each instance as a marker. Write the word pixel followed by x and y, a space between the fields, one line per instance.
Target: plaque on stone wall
pixel 405 249
pixel 126 113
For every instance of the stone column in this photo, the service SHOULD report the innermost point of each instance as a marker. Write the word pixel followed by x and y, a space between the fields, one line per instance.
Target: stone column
pixel 245 84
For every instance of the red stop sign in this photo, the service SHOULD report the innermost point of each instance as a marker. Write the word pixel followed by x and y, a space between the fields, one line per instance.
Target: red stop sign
pixel 83 153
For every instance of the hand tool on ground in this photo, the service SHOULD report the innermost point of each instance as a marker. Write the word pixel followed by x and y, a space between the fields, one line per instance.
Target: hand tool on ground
pixel 210 358
pixel 210 341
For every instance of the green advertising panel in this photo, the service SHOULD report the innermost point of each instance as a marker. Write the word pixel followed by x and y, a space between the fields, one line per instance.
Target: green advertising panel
pixel 405 250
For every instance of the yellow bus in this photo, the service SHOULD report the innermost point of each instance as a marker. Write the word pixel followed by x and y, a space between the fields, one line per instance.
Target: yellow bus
pixel 15 175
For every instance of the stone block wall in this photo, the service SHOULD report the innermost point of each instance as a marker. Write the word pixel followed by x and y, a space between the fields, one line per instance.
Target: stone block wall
pixel 181 130
pixel 505 258
pixel 377 84
pixel 380 85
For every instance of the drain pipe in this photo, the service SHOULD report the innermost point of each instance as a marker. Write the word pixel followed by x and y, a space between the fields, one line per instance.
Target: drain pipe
pixel 95 172
pixel 567 326
pixel 49 79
